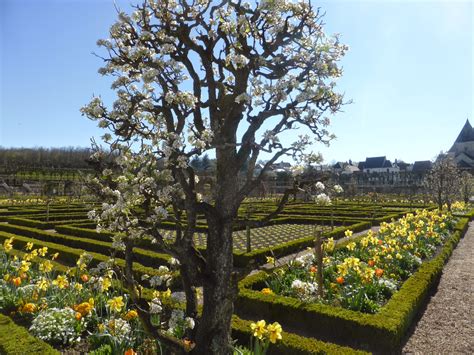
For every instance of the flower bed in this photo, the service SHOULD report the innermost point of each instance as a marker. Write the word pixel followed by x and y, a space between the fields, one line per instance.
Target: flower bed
pixel 381 331
pixel 80 308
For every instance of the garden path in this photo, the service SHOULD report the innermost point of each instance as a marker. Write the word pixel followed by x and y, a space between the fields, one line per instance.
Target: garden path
pixel 447 325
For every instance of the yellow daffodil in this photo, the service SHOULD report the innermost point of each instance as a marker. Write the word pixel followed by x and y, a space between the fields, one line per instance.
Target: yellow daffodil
pixel 270 260
pixel 259 329
pixel 7 244
pixel 274 332
pixel 24 267
pixel 101 327
pixel 348 233
pixel 105 284
pixel 267 291
pixel 61 281
pixel 54 256
pixel 46 266
pixel 29 246
pixel 351 246
pixel 42 284
pixel 43 251
pixel 329 245
pixel 116 304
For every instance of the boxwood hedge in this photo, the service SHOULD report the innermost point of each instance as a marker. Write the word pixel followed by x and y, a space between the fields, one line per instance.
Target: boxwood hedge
pixel 380 332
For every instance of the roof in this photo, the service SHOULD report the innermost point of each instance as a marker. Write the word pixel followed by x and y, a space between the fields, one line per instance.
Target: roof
pixel 349 169
pixel 377 162
pixel 422 166
pixel 402 165
pixel 466 134
pixel 464 164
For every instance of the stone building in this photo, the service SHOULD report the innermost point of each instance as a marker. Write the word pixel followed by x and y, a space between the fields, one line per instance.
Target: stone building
pixel 463 148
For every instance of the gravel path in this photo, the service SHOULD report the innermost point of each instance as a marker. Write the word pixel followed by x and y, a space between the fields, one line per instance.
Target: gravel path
pixel 447 325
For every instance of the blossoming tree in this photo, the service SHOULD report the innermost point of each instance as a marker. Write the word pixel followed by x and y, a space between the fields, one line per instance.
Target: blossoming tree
pixel 444 180
pixel 191 77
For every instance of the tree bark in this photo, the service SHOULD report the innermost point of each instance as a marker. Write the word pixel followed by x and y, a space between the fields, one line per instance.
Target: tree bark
pixel 220 289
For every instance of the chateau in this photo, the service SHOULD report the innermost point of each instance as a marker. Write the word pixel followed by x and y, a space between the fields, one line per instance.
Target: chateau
pixel 463 147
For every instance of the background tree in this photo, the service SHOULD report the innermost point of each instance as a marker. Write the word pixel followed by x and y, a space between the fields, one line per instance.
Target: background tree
pixel 254 72
pixel 444 180
pixel 466 186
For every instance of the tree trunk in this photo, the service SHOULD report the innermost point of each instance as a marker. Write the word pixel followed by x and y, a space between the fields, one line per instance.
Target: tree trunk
pixel 220 289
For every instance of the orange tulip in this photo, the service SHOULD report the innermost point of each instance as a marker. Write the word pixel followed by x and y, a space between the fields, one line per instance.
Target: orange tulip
pixel 16 281
pixel 84 278
pixel 371 263
pixel 130 352
pixel 313 269
pixel 378 272
pixel 340 280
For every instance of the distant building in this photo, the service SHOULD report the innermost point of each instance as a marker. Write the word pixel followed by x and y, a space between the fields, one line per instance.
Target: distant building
pixel 422 166
pixel 463 147
pixel 350 169
pixel 378 165
pixel 281 166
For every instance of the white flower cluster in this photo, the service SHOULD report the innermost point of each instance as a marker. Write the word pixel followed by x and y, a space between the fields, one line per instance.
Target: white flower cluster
pixel 155 306
pixel 178 323
pixel 120 329
pixel 305 291
pixel 174 262
pixel 164 278
pixel 302 261
pixel 56 326
pixel 338 189
pixel 388 284
pixel 297 170
pixel 201 140
pixel 322 199
pixel 181 97
pixel 320 186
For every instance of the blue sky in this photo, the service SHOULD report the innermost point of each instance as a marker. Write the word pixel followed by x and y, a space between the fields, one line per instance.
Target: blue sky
pixel 409 73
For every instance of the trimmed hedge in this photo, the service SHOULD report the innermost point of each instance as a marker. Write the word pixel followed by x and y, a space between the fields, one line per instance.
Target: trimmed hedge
pixel 15 339
pixel 258 256
pixel 381 332
pixel 291 344
pixel 29 223
pixel 145 257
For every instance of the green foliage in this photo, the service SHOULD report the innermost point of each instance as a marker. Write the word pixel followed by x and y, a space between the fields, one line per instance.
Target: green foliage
pixel 15 339
pixel 103 350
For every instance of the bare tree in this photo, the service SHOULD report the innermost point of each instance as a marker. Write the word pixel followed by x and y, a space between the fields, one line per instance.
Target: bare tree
pixel 444 180
pixel 254 72
pixel 466 186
